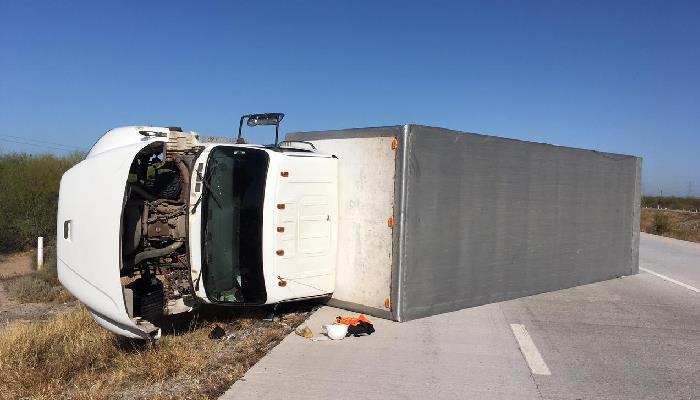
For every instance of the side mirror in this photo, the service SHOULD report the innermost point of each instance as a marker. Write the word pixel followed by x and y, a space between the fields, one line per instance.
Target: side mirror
pixel 265 119
pixel 261 119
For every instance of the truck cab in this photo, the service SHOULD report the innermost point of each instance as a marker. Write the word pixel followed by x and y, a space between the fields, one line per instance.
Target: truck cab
pixel 156 221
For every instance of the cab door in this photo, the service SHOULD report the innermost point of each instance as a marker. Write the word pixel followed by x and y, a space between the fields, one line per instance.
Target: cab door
pixel 306 224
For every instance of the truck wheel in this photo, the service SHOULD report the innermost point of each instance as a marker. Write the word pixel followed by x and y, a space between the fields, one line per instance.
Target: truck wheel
pixel 167 185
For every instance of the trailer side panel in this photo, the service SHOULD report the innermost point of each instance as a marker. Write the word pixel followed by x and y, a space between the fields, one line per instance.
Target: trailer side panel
pixel 490 219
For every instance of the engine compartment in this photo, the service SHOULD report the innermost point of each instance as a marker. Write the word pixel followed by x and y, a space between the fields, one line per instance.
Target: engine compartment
pixel 154 272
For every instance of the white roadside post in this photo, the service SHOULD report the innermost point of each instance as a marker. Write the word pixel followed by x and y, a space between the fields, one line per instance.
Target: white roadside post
pixel 39 252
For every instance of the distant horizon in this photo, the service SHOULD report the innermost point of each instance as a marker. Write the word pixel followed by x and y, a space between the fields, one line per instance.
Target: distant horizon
pixel 615 77
pixel 51 149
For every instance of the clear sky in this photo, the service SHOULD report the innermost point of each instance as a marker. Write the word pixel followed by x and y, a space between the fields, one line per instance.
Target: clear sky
pixel 613 76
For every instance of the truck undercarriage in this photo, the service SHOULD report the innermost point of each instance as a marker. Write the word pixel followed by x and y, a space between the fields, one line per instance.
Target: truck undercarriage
pixel 154 251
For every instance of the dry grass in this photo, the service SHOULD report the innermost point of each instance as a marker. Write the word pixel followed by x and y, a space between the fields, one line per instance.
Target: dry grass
pixel 70 356
pixel 678 225
pixel 33 288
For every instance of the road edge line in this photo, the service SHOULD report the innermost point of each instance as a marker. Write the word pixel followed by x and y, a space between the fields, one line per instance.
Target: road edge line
pixel 666 278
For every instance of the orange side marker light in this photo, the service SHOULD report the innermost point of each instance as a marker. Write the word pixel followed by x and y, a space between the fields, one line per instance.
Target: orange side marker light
pixel 394 144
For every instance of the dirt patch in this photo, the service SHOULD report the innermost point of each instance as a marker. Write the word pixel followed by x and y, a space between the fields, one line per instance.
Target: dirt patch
pixel 13 311
pixel 18 268
pixel 16 264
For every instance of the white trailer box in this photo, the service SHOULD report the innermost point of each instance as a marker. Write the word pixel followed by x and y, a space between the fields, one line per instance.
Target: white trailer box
pixel 433 220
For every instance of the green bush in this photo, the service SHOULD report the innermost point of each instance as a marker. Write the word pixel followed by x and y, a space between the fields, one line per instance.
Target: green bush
pixel 28 198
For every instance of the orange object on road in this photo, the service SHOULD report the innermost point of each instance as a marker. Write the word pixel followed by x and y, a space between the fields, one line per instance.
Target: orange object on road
pixel 352 321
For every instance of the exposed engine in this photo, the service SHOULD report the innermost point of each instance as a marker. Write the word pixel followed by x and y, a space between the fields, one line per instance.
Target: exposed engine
pixel 155 256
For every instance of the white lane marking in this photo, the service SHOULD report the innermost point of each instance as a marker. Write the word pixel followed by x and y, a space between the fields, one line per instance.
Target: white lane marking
pixel 527 347
pixel 664 277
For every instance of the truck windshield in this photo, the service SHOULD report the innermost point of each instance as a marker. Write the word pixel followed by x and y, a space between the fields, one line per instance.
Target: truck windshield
pixel 232 225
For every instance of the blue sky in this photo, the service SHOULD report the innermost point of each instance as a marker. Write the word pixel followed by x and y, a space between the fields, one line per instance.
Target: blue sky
pixel 612 75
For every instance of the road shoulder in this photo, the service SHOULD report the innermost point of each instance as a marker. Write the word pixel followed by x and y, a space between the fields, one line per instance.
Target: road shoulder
pixel 466 354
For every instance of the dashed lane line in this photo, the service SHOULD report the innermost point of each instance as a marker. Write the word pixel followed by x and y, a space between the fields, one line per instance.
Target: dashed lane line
pixel 527 347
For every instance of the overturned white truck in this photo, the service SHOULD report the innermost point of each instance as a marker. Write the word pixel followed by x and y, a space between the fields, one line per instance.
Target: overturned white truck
pixel 398 222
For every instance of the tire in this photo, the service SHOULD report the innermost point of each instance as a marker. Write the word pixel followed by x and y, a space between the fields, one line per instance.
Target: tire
pixel 167 185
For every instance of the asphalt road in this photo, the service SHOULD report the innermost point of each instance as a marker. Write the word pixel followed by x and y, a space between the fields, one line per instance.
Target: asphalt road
pixel 635 337
pixel 672 258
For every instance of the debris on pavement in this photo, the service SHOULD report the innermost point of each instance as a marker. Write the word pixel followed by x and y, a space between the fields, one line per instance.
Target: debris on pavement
pixel 359 326
pixel 336 331
pixel 304 332
pixel 340 329
pixel 352 321
pixel 361 329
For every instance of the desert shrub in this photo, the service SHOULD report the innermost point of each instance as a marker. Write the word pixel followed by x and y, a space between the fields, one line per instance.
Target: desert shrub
pixel 661 224
pixel 672 202
pixel 31 289
pixel 675 224
pixel 29 197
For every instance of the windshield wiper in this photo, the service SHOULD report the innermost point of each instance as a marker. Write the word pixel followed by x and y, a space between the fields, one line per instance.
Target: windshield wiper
pixel 206 185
